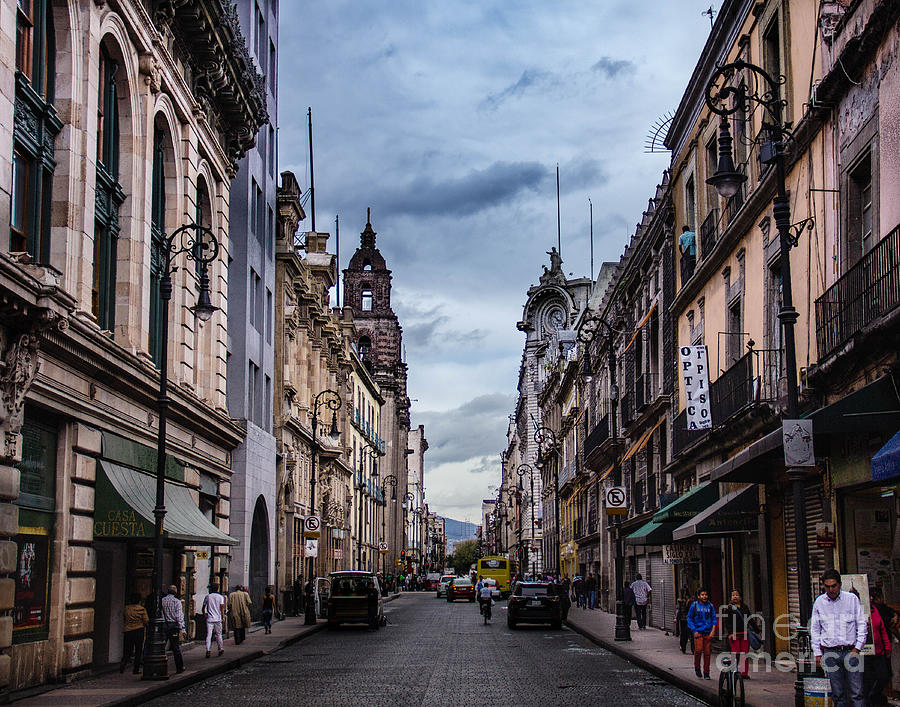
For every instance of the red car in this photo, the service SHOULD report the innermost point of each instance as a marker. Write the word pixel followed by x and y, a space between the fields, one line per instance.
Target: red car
pixel 432 580
pixel 461 588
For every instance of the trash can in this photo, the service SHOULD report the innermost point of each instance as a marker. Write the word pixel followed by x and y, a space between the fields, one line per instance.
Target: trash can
pixel 817 692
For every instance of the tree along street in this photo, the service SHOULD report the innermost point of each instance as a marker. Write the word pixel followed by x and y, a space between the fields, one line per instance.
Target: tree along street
pixel 436 653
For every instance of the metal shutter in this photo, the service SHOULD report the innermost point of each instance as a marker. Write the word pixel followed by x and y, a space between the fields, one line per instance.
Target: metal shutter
pixel 813 495
pixel 663 608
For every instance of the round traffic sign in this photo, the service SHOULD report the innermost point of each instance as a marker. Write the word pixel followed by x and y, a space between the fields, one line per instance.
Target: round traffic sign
pixel 312 525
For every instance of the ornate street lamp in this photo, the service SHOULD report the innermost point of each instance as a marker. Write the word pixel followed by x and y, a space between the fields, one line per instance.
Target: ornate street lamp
pixel 389 480
pixel 522 470
pixel 725 99
pixel 332 400
pixel 369 451
pixel 546 439
pixel 592 327
pixel 196 243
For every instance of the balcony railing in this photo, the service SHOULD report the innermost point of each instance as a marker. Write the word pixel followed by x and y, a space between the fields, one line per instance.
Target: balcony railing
pixel 734 204
pixel 626 408
pixel 867 291
pixel 566 472
pixel 709 232
pixel 597 436
pixel 732 390
pixel 640 392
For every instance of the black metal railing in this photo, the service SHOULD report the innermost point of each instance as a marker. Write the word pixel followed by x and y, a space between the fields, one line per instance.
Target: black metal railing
pixel 868 290
pixel 682 438
pixel 597 436
pixel 734 204
pixel 593 524
pixel 626 408
pixel 578 528
pixel 709 232
pixel 733 390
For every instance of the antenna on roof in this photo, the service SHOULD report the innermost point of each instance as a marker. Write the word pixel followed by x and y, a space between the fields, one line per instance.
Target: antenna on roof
pixel 558 229
pixel 709 11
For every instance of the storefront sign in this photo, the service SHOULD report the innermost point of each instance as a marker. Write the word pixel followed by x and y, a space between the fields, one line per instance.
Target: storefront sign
pixel 797 437
pixel 121 523
pixel 695 373
pixel 825 536
pixel 681 553
pixel 311 548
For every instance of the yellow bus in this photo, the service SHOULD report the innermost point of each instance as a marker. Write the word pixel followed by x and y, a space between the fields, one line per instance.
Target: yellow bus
pixel 496 568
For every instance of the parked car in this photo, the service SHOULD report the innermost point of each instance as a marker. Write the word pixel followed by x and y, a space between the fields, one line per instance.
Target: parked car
pixel 432 581
pixel 533 603
pixel 461 588
pixel 442 585
pixel 348 602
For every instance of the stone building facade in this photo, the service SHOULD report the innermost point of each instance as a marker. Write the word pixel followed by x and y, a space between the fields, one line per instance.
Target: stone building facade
pixel 121 122
pixel 251 322
pixel 379 342
pixel 417 512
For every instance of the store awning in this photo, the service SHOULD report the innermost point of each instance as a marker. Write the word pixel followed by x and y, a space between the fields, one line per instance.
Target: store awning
pixel 886 462
pixel 652 533
pixel 736 512
pixel 689 504
pixel 125 499
pixel 874 408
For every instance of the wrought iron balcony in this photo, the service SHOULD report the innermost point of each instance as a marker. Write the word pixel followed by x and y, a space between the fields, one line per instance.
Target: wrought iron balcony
pixel 867 291
pixel 626 408
pixel 709 232
pixel 597 436
pixel 734 204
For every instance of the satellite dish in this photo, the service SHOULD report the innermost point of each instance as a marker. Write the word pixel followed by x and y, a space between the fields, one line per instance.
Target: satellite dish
pixel 657 134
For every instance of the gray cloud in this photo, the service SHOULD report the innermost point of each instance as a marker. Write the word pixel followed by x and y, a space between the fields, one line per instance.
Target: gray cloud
pixel 530 78
pixel 478 190
pixel 613 68
pixel 468 432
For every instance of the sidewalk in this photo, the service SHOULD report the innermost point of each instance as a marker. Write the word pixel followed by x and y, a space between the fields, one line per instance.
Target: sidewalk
pixel 659 654
pixel 114 688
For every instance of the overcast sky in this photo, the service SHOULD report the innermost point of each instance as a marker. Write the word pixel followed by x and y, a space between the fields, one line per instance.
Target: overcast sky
pixel 448 120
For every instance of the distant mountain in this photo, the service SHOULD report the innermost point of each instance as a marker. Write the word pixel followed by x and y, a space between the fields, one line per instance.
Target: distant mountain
pixel 457 531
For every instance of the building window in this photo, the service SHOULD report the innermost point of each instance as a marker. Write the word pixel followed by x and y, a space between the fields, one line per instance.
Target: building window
pixel 108 196
pixel 202 217
pixel 860 218
pixel 36 126
pixel 270 316
pixel 367 300
pixel 273 150
pixel 272 83
pixel 690 203
pixel 735 326
pixel 253 304
pixel 157 244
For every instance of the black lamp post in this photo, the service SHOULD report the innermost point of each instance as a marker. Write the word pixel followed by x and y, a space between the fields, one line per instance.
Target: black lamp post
pixel 196 243
pixel 725 99
pixel 546 436
pixel 500 508
pixel 521 470
pixel 332 400
pixel 389 480
pixel 369 451
pixel 588 332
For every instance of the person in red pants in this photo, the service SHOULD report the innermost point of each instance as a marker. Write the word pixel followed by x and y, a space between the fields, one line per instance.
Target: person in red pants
pixel 702 622
pixel 734 621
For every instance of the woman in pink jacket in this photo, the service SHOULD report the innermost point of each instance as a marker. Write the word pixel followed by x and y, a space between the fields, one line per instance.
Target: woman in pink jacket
pixel 880 662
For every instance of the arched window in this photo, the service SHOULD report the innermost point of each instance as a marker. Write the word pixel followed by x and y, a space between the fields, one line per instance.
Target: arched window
pixel 367 266
pixel 203 216
pixel 109 196
pixel 367 300
pixel 157 242
pixel 35 131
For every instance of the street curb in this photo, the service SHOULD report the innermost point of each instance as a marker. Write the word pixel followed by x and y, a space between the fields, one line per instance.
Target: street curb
pixel 695 689
pixel 182 681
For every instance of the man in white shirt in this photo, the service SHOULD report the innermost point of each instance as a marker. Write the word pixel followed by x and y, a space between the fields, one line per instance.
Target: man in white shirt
pixel 641 589
pixel 837 631
pixel 214 610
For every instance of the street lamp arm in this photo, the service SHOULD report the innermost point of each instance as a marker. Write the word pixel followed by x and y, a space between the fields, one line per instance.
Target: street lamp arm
pixel 725 99
pixel 193 240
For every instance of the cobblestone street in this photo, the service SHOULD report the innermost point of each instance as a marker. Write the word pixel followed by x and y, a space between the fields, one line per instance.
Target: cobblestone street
pixel 435 653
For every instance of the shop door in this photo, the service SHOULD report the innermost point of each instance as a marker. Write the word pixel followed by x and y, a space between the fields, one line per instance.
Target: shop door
pixel 109 602
pixel 662 609
pixel 814 514
pixel 259 556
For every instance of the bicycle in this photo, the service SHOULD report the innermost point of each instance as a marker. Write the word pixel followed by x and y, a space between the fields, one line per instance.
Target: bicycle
pixel 731 685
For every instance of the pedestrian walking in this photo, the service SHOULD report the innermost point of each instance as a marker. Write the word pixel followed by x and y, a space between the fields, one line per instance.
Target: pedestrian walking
pixel 838 631
pixel 214 610
pixel 642 590
pixel 136 621
pixel 268 609
pixel 627 603
pixel 701 619
pixel 239 603
pixel 173 625
pixel 578 586
pixel 681 627
pixel 878 667
pixel 591 591
pixel 734 622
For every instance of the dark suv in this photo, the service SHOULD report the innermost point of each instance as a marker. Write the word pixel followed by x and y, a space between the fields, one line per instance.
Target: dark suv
pixel 534 603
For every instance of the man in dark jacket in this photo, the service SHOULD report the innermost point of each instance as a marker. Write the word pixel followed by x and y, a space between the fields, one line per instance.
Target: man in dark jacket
pixel 591 591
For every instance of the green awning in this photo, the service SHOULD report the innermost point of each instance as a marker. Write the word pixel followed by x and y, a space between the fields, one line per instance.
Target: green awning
pixel 689 504
pixel 734 513
pixel 125 499
pixel 652 533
